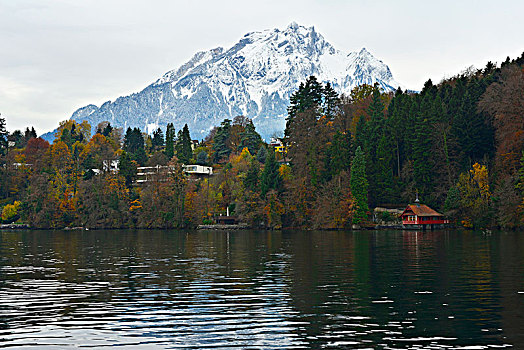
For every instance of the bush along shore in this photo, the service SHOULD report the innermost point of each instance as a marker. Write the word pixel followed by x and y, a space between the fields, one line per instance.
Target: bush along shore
pixel 457 144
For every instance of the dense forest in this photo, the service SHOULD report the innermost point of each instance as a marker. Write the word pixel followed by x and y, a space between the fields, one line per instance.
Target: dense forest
pixel 457 144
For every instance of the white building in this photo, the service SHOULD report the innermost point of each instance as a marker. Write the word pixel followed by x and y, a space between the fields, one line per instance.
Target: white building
pixel 194 169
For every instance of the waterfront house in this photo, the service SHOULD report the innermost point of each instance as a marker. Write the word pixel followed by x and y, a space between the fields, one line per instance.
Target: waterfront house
pixel 420 216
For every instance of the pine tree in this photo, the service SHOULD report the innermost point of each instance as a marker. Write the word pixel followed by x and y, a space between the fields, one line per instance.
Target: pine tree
pixel 474 136
pixel 399 126
pixel 170 141
pixel 250 138
pixel 376 107
pixel 331 103
pixel 359 187
pixel 384 172
pixel 309 96
pixel 423 149
pixel 202 158
pixel 107 130
pixel 158 139
pixel 360 133
pixel 66 137
pixel 338 155
pixel 183 148
pixel 374 130
pixel 262 154
pixel 127 169
pixel 29 134
pixel 251 179
pixel 221 145
pixel 3 136
pixel 270 178
pixel 134 144
pixel 141 156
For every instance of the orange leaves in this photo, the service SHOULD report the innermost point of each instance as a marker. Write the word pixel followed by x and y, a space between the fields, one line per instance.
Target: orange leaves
pixel 60 155
pixel 135 205
pixel 100 150
pixel 115 185
pixel 273 211
pixel 285 172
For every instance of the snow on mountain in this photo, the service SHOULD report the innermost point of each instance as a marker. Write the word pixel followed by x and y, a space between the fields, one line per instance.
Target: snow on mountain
pixel 254 78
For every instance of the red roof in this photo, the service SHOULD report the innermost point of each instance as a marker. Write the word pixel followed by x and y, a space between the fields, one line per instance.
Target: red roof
pixel 421 210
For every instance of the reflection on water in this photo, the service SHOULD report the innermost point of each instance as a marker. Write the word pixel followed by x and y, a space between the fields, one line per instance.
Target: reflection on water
pixel 248 289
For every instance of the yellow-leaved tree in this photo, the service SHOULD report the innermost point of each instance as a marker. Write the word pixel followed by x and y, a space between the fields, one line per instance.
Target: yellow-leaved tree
pixel 475 197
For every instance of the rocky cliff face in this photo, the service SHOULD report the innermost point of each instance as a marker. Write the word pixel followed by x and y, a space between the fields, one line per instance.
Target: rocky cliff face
pixel 254 78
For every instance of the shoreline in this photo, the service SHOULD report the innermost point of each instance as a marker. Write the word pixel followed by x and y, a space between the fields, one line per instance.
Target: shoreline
pixel 221 227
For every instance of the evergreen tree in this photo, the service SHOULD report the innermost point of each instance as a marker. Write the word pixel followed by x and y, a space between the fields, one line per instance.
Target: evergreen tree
pixel 202 158
pixel 374 129
pixel 66 137
pixel 474 136
pixel 134 144
pixel 251 179
pixel 127 169
pixel 76 135
pixel 428 86
pixel 29 134
pixel 452 200
pixel 184 151
pixel 384 172
pixel 170 141
pixel 158 139
pixel 3 136
pixel 309 96
pixel 423 149
pixel 338 155
pixel 262 154
pixel 141 156
pixel 250 138
pixel 376 107
pixel 360 133
pixel 270 178
pixel 129 141
pixel 17 137
pixel 221 146
pixel 331 105
pixel 359 187
pixel 107 130
pixel 399 126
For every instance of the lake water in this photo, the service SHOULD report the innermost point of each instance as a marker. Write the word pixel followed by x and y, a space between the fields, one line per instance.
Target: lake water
pixel 263 290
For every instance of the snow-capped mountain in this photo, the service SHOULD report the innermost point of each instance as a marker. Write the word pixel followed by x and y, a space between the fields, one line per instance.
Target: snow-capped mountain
pixel 254 78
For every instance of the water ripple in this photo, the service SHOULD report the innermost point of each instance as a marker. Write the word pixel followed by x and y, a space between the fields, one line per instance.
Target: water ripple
pixel 252 290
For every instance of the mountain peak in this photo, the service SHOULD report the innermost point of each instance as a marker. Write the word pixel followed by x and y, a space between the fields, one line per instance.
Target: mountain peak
pixel 255 78
pixel 293 25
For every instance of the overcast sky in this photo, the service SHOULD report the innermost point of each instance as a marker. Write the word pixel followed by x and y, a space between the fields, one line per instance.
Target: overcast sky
pixel 57 56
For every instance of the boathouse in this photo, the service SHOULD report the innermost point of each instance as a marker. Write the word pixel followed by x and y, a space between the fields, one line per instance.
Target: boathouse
pixel 420 216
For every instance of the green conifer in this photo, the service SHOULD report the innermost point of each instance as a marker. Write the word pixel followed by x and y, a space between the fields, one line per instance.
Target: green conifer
pixel 221 145
pixel 3 136
pixel 170 141
pixel 262 154
pixel 359 187
pixel 183 148
pixel 270 178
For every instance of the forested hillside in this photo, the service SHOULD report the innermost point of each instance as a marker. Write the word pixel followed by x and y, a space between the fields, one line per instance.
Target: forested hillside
pixel 458 144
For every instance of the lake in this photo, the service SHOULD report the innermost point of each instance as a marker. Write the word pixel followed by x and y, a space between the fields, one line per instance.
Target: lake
pixel 261 290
